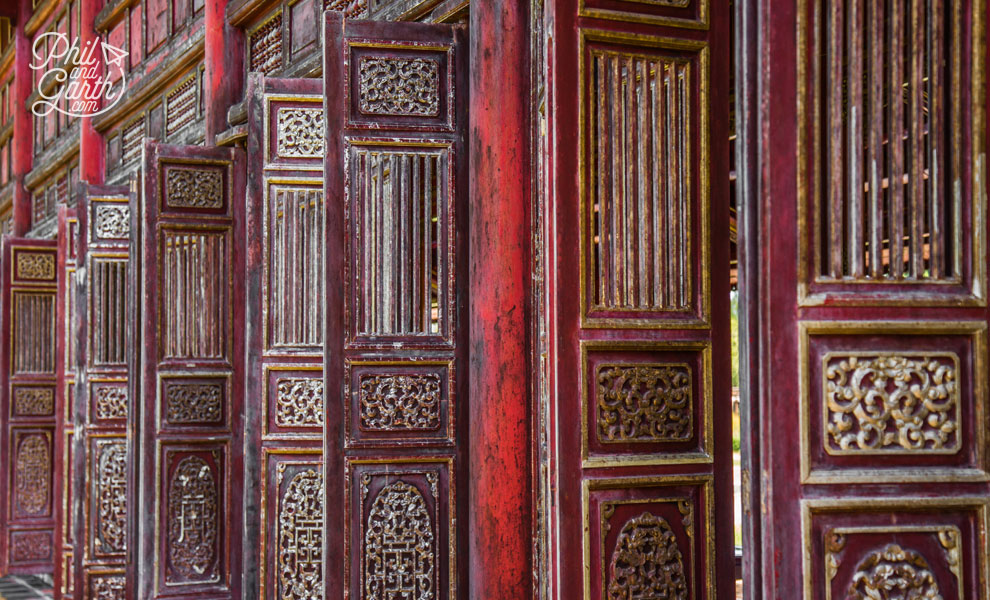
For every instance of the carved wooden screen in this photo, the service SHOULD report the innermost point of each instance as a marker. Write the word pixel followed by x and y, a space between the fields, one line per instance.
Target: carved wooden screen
pixel 104 340
pixel 872 296
pixel 637 380
pixel 395 169
pixel 27 401
pixel 286 307
pixel 65 359
pixel 192 373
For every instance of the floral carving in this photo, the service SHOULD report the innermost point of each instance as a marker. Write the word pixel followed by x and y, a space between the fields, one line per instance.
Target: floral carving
pixel 646 562
pixel 192 520
pixel 399 402
pixel 300 538
pixel 194 402
pixel 891 403
pixel 299 402
pixel 36 265
pixel 644 403
pixel 893 572
pixel 30 546
pixel 399 539
pixel 300 132
pixel 400 86
pixel 194 188
pixel 111 495
pixel 113 222
pixel 111 402
pixel 107 587
pixel 34 401
pixel 33 474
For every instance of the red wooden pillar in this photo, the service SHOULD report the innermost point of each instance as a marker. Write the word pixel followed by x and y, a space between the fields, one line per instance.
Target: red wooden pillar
pixel 500 523
pixel 224 59
pixel 22 146
pixel 91 147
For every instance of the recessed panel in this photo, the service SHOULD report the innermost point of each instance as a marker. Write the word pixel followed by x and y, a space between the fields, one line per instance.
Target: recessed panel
pixel 294 402
pixel 189 401
pixel 292 544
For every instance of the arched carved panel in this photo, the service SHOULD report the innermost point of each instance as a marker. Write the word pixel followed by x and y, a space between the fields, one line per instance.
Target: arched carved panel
pixel 300 536
pixel 646 562
pixel 192 520
pixel 399 539
pixel 110 494
pixel 32 474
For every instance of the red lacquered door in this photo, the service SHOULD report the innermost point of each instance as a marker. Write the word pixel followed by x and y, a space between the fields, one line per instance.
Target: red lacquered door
pixel 285 321
pixel 634 221
pixel 189 417
pixel 870 225
pixel 395 367
pixel 27 401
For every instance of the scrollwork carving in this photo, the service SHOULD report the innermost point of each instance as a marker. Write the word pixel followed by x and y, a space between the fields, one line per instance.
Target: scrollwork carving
pixel 35 265
pixel 399 86
pixel 192 519
pixel 300 538
pixel 891 403
pixel 399 538
pixel 33 475
pixel 33 401
pixel 647 562
pixel 111 494
pixel 113 222
pixel 194 403
pixel 644 403
pixel 299 402
pixel 30 546
pixel 194 188
pixel 111 402
pixel 893 572
pixel 400 402
pixel 300 132
pixel 107 587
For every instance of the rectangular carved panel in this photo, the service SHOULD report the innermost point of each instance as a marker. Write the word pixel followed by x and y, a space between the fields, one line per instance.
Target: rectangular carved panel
pixel 645 193
pixel 31 452
pixel 107 496
pixel 193 401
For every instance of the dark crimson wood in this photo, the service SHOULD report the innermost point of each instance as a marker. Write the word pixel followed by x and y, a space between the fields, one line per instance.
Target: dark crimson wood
pixel 636 390
pixel 27 402
pixel 189 420
pixel 500 516
pixel 65 358
pixel 285 321
pixel 103 331
pixel 395 366
pixel 849 263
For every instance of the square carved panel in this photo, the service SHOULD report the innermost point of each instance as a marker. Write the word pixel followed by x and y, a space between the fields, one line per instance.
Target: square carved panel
pixel 294 137
pixel 904 548
pixel 108 401
pixel 398 403
pixel 646 403
pixel 294 402
pixel 893 401
pixel 193 401
pixel 648 536
pixel 400 520
pixel 203 188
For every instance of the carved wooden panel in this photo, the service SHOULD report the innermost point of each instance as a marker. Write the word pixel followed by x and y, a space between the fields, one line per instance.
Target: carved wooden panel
pixel 192 373
pixel 396 261
pixel 283 481
pixel 30 460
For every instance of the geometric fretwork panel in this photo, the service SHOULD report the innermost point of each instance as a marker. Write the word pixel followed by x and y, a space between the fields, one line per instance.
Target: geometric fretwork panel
pixel 292 543
pixel 892 401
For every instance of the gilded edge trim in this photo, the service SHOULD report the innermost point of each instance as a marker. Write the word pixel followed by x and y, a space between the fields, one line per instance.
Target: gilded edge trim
pixel 706 497
pixel 978 504
pixel 266 433
pixel 976 330
pixel 264 550
pixel 808 184
pixel 701 22
pixel 703 172
pixel 444 461
pixel 705 456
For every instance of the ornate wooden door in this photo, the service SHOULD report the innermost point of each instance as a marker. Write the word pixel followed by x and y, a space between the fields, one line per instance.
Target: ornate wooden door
pixel 27 401
pixel 870 294
pixel 103 332
pixel 396 163
pixel 285 321
pixel 65 361
pixel 189 417
pixel 633 254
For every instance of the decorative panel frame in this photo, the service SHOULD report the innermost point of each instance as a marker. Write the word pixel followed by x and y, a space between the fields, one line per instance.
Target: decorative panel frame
pixel 954 527
pixel 695 54
pixel 694 357
pixel 968 166
pixel 689 14
pixel 685 503
pixel 965 340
